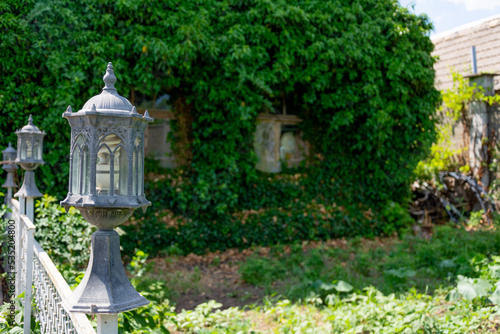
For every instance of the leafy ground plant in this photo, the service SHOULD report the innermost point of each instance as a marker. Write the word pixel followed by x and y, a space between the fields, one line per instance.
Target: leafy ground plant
pixel 367 311
pixel 391 265
pixel 443 285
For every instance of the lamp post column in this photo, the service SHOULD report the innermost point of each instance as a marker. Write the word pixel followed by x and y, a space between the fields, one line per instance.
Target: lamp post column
pixel 29 157
pixel 107 323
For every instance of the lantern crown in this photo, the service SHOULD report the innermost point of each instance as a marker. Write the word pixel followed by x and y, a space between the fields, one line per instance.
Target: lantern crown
pixel 10 150
pixel 108 102
pixel 30 127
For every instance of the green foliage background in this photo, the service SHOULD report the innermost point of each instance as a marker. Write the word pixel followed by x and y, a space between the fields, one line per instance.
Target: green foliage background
pixel 360 72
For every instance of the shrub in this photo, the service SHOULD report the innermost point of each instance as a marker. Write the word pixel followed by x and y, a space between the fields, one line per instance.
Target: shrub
pixel 64 236
pixel 277 211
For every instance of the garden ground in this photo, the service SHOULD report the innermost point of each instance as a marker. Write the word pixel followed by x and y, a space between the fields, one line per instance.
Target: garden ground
pixel 406 284
pixel 195 279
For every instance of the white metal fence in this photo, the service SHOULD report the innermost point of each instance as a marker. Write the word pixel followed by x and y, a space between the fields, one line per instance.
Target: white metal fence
pixel 42 283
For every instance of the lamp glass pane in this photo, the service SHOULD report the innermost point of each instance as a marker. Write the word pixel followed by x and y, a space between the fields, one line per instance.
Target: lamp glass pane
pixel 136 166
pixel 122 162
pixel 103 168
pixel 36 150
pixel 140 174
pixel 134 173
pixel 86 172
pixel 75 170
pixel 24 149
pixel 76 165
pixel 108 165
pixel 29 149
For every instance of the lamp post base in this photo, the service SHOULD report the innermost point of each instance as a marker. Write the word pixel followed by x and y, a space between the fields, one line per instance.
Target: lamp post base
pixel 29 189
pixel 105 288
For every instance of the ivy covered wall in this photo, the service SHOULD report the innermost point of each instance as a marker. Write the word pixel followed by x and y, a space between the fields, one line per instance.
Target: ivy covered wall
pixel 359 73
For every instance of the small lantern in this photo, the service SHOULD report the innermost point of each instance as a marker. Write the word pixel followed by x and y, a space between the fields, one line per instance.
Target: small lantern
pixel 29 157
pixel 9 157
pixel 9 165
pixel 106 184
pixel 29 144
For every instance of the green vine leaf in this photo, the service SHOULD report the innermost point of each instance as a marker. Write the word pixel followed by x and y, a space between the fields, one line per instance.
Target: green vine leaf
pixel 471 288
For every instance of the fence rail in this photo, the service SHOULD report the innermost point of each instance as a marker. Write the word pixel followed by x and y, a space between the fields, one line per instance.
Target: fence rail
pixel 50 290
pixel 39 274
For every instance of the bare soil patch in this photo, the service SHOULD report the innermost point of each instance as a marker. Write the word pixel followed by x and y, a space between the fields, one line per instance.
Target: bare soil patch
pixel 195 279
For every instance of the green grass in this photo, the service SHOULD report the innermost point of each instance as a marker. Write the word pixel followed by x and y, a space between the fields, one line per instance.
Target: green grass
pixel 406 285
pixel 393 268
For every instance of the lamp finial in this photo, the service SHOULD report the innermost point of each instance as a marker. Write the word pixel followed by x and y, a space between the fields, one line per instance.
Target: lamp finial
pixel 109 78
